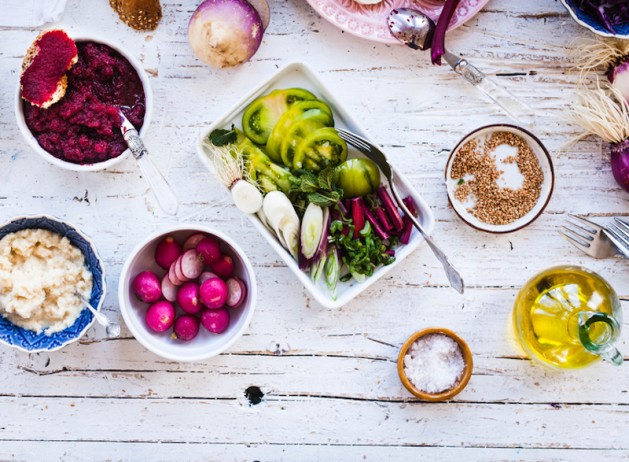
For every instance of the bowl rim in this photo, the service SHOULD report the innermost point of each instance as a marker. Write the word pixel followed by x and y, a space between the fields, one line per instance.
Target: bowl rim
pixel 148 102
pixel 546 201
pixel 124 275
pixel 583 23
pixel 103 278
pixel 447 394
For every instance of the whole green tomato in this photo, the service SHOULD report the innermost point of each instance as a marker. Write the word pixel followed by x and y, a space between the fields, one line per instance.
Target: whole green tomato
pixel 358 177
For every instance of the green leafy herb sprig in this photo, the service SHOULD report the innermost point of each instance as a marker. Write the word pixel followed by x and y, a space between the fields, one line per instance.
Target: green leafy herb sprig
pixel 316 189
pixel 363 255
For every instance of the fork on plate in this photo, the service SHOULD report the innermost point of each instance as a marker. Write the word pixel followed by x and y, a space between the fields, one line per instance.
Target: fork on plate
pixel 376 155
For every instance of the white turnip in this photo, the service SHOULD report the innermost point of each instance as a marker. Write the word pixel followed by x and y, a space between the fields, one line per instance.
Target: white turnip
pixel 225 33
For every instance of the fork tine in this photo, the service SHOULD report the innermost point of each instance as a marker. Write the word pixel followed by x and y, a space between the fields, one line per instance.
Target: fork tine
pixel 586 224
pixel 621 232
pixel 577 228
pixel 577 244
pixel 353 139
pixel 617 239
pixel 622 224
pixel 574 234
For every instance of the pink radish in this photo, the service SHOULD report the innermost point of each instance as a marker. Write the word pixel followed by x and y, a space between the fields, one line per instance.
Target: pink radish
pixel 169 290
pixel 186 327
pixel 188 297
pixel 215 321
pixel 178 271
pixel 160 316
pixel 167 252
pixel 191 264
pixel 223 267
pixel 147 287
pixel 192 241
pixel 237 290
pixel 205 276
pixel 172 276
pixel 210 250
pixel 213 293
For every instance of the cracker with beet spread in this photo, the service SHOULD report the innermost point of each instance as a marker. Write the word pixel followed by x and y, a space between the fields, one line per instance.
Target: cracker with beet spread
pixel 48 59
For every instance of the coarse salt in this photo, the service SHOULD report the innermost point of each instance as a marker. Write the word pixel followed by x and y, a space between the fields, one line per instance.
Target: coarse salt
pixel 434 363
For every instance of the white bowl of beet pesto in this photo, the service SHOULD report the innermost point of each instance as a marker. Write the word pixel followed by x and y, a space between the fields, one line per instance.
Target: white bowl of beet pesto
pixel 68 106
pixel 499 178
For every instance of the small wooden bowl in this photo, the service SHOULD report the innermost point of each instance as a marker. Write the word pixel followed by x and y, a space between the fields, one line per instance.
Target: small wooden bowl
pixel 447 394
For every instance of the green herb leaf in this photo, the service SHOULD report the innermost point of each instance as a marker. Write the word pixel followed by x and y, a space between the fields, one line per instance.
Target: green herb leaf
pixel 460 182
pixel 324 199
pixel 223 137
pixel 326 178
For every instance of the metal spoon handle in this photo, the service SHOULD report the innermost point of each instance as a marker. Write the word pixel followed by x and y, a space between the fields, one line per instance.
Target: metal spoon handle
pixel 456 281
pixel 112 329
pixel 518 110
pixel 164 195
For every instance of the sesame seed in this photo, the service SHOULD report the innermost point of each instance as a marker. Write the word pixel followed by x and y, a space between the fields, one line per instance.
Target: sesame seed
pixel 494 204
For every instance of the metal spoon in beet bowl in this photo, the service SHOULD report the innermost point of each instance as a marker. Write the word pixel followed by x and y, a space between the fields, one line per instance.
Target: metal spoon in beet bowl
pixel 164 195
pixel 415 30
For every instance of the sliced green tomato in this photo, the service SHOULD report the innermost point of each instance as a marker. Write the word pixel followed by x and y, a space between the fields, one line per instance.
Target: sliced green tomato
pixel 263 113
pixel 358 177
pixel 302 126
pixel 320 149
pixel 274 143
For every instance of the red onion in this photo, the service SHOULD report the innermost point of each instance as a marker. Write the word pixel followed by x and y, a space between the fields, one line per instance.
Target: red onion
pixel 438 48
pixel 620 163
pixel 619 77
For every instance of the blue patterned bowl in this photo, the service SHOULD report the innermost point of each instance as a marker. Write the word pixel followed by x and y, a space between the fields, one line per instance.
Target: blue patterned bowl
pixel 594 24
pixel 29 341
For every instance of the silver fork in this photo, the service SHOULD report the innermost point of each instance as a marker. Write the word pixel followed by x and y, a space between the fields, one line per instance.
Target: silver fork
pixel 588 237
pixel 618 233
pixel 375 154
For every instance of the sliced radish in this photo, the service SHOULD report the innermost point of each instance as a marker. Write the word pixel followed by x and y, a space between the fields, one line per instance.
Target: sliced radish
pixel 169 290
pixel 178 271
pixel 205 275
pixel 192 241
pixel 172 276
pixel 191 264
pixel 237 291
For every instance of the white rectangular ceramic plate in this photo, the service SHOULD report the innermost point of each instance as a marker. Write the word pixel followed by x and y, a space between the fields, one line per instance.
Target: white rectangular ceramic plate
pixel 300 75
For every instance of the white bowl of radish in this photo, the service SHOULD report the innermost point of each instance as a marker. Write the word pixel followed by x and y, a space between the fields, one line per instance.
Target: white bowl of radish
pixel 187 293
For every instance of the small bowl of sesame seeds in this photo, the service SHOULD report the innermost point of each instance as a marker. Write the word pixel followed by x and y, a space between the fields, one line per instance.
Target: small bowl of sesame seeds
pixel 435 364
pixel 499 178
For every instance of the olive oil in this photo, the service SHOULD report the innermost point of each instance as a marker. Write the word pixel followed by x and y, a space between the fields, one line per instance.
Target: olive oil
pixel 550 308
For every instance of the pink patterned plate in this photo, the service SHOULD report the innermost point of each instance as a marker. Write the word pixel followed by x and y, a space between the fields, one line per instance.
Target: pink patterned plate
pixel 369 21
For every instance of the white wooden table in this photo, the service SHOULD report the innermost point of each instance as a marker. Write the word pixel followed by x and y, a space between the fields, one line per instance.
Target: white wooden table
pixel 329 378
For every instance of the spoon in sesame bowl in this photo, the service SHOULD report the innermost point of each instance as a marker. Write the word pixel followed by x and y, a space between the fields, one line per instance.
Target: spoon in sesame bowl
pixel 416 30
